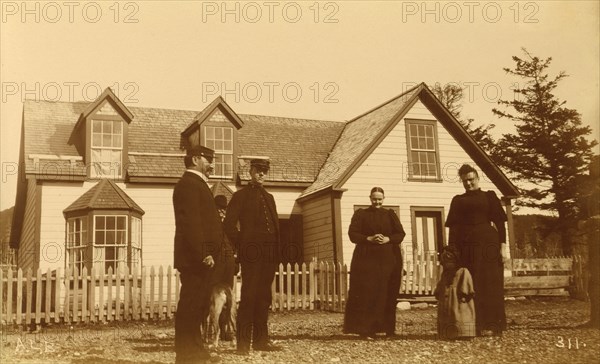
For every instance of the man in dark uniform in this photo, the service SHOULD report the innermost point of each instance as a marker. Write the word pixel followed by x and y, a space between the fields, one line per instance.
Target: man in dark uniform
pixel 257 246
pixel 198 236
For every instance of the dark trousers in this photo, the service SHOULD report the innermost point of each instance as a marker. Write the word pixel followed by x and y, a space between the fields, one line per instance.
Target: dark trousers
pixel 257 277
pixel 192 308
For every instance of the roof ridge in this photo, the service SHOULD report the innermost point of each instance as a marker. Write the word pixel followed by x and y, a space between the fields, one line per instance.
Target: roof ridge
pixel 293 118
pixel 98 187
pixel 119 192
pixel 387 102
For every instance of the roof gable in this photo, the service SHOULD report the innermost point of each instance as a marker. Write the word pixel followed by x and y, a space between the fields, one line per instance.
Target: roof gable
pixel 108 96
pixel 363 134
pixel 359 135
pixel 104 195
pixel 217 104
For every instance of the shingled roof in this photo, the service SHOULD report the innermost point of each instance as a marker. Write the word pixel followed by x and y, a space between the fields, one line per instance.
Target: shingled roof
pixel 357 136
pixel 155 136
pixel 362 134
pixel 104 195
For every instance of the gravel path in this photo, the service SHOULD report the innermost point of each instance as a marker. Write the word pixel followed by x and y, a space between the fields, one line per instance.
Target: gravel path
pixel 541 331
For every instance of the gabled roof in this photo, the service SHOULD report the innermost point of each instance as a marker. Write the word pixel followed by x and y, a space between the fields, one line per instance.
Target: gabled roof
pixel 104 195
pixel 364 133
pixel 220 188
pixel 110 96
pixel 155 139
pixel 217 104
pixel 359 134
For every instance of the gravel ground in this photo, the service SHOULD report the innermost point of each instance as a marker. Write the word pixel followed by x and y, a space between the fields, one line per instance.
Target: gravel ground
pixel 541 331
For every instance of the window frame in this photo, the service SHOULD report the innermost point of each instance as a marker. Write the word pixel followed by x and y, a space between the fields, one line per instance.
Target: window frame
pixel 118 172
pixel 99 260
pixel 219 153
pixel 94 169
pixel 82 248
pixel 435 152
pixel 91 257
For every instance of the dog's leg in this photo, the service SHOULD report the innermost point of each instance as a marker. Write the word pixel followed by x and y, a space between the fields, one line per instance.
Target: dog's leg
pixel 219 300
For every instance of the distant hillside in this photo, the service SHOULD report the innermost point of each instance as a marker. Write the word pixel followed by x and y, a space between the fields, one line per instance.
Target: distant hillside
pixel 5 224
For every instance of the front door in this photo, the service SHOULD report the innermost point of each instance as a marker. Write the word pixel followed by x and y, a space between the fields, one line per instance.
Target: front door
pixel 428 230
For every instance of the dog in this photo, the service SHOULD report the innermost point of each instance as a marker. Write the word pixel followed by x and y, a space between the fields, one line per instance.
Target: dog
pixel 221 318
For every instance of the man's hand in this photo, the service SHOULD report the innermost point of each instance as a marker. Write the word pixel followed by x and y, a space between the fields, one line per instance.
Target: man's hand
pixel 209 261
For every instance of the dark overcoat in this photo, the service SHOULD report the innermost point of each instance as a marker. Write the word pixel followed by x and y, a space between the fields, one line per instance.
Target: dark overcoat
pixel 198 229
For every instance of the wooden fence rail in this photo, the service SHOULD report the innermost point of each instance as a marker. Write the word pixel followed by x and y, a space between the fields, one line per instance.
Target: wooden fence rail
pixel 152 293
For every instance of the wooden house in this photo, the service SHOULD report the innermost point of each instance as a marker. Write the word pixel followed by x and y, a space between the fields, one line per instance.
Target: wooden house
pixel 96 178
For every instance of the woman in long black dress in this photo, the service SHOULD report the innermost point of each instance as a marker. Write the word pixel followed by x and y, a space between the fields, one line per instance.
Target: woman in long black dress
pixel 482 247
pixel 375 270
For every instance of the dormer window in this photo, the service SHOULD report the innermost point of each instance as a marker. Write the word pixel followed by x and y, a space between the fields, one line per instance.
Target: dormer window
pixel 101 136
pixel 216 127
pixel 220 139
pixel 107 149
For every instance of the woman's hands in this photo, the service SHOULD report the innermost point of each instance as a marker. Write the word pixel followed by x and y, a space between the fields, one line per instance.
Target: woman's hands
pixel 378 239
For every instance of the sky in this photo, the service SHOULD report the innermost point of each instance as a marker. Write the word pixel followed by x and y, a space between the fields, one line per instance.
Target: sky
pixel 330 60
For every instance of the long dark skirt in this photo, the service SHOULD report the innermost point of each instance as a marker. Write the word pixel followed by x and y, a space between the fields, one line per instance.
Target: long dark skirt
pixel 480 254
pixel 375 274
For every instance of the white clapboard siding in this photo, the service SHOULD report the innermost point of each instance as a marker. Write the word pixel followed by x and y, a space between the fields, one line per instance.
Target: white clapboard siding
pixel 387 167
pixel 318 228
pixel 158 222
pixel 56 196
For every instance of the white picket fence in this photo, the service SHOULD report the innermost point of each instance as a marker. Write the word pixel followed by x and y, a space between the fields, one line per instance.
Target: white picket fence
pixel 152 293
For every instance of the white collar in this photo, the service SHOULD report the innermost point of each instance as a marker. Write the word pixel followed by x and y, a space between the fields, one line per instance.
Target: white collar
pixel 204 178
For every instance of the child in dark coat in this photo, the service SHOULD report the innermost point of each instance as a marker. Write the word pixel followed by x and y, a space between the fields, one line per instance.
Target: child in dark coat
pixel 454 292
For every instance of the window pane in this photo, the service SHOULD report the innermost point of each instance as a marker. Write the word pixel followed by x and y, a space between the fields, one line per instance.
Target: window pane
pixel 227 146
pixel 219 133
pixel 422 143
pixel 121 222
pixel 117 126
pixel 110 237
pixel 107 127
pixel 416 169
pixel 116 141
pixel 106 140
pixel 100 223
pixel 121 237
pixel 110 222
pixel 414 142
pixel 99 237
pixel 413 130
pixel 429 131
pixel 218 145
pixel 421 130
pixel 110 253
pixel 97 140
pixel 97 126
pixel 430 144
pixel 228 133
pixel 210 133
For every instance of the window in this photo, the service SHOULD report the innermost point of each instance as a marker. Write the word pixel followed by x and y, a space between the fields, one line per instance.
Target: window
pixel 76 243
pixel 422 143
pixel 136 241
pixel 107 148
pixel 220 139
pixel 110 241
